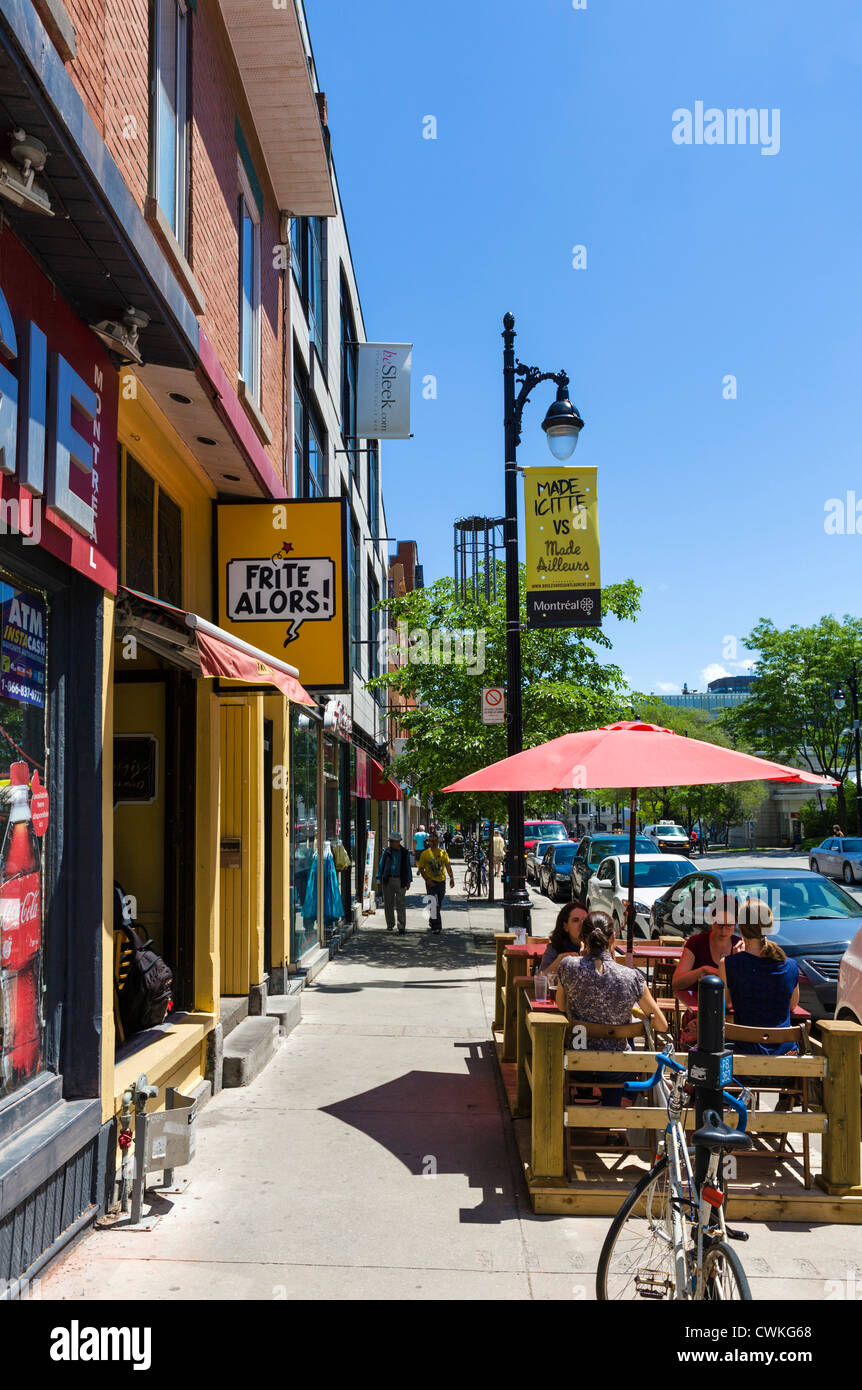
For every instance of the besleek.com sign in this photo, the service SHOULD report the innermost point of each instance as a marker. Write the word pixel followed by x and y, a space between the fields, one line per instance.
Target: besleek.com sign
pixel 383 390
pixel 282 581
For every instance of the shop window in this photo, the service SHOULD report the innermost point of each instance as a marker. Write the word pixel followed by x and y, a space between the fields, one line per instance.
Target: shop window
pixel 169 548
pixel 249 288
pixel 307 242
pixel 303 832
pixel 309 446
pixel 23 830
pixel 349 371
pixel 374 627
pixel 354 594
pixel 151 527
pixel 374 487
pixel 169 176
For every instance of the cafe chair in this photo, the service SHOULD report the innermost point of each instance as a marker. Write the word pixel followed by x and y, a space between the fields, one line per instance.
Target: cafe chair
pixel 789 1090
pixel 585 1092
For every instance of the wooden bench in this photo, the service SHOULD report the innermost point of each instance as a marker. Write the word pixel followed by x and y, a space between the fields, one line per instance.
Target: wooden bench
pixel 544 1063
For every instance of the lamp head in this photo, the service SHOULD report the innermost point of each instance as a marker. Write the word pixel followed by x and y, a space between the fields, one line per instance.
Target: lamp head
pixel 562 425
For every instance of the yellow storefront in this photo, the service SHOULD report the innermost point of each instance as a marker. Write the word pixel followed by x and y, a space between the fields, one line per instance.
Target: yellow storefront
pixel 195 776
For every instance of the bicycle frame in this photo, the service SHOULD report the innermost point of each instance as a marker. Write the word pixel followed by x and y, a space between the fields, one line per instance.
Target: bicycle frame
pixel 701 1213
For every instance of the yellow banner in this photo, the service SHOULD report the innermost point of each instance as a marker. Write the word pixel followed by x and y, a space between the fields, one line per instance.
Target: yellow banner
pixel 562 536
pixel 282 584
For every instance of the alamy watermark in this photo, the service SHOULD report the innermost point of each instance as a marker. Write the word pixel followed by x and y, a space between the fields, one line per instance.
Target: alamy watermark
pixel 436 646
pixel 736 126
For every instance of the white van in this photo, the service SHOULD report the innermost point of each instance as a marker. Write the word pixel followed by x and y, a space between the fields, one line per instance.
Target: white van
pixel 669 837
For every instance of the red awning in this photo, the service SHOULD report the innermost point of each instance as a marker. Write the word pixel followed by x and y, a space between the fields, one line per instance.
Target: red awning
pixel 381 787
pixel 220 652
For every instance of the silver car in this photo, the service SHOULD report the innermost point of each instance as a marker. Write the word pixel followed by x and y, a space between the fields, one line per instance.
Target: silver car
pixel 838 857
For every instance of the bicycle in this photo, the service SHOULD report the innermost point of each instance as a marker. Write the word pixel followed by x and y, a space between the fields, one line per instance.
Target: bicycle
pixel 678 1248
pixel 476 875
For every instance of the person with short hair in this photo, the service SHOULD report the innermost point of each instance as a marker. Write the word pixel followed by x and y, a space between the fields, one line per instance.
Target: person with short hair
pixel 762 984
pixel 434 866
pixel 395 876
pixel 420 838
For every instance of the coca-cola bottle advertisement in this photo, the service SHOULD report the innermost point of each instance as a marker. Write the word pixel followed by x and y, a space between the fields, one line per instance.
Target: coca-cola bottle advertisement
pixel 20 936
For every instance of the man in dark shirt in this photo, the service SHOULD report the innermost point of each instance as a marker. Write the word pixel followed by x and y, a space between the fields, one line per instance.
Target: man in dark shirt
pixel 394 875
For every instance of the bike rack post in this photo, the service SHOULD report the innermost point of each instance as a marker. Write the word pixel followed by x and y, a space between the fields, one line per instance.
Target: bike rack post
pixel 710 1064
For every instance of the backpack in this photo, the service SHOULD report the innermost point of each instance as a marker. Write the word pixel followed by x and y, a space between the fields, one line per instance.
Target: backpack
pixel 145 998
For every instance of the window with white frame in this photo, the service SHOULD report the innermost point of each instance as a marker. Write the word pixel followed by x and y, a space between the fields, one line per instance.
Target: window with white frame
pixel 169 174
pixel 249 287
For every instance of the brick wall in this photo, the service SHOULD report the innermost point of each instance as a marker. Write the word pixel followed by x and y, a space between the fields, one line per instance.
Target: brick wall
pixel 111 72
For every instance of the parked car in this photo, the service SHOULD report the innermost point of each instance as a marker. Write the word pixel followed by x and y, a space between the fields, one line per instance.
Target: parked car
pixel 838 857
pixel 668 837
pixel 849 1002
pixel 592 850
pixel 816 920
pixel 607 890
pixel 555 871
pixel 534 858
pixel 543 830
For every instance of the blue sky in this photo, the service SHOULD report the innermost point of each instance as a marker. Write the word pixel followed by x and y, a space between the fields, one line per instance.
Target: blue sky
pixel 554 129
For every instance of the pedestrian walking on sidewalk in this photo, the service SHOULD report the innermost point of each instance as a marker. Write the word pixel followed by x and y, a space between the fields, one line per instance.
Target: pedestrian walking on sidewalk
pixel 434 866
pixel 499 852
pixel 395 876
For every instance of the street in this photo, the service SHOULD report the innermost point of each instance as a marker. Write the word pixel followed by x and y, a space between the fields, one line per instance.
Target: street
pixel 373 1158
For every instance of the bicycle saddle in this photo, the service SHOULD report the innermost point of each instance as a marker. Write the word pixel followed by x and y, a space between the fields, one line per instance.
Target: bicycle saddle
pixel 715 1134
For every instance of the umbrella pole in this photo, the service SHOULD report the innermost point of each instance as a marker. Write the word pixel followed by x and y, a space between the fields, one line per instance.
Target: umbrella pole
pixel 630 907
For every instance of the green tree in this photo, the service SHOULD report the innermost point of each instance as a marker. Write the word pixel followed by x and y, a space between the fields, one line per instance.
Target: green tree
pixel 789 714
pixel 566 686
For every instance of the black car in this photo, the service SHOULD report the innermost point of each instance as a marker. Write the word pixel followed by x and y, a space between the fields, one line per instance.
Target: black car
pixel 555 871
pixel 592 850
pixel 816 920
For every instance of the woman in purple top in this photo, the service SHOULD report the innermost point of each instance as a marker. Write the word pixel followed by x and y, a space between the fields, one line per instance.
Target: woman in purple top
pixel 593 988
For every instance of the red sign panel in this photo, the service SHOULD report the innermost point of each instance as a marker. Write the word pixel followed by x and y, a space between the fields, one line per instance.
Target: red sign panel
pixel 58 422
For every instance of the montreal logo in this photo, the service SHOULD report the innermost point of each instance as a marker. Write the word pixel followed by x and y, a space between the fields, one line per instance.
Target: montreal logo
pixel 281 588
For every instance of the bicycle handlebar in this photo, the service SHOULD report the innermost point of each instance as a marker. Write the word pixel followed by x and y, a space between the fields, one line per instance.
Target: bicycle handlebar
pixel 662 1060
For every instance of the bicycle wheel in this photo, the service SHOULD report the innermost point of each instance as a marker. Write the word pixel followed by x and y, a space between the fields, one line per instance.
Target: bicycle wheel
pixel 637 1259
pixel 470 882
pixel 724 1278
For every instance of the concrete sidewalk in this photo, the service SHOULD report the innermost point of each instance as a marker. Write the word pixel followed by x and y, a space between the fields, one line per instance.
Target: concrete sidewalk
pixel 373 1158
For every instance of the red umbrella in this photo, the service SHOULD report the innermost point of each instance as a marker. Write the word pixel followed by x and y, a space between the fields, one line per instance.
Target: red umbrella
pixel 628 754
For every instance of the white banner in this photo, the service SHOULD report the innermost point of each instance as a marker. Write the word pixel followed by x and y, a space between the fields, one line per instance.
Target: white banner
pixel 383 390
pixel 369 903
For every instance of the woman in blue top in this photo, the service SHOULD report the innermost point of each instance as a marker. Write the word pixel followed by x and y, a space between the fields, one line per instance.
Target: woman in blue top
pixel 762 984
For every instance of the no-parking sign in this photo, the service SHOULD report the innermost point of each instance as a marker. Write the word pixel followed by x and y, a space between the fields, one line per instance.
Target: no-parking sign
pixel 493 704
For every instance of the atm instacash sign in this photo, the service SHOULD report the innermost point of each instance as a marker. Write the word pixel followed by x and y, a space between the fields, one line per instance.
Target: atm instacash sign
pixel 58 411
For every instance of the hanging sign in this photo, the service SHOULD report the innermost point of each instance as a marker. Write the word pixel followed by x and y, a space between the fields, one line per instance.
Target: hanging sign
pixel 562 534
pixel 383 390
pixel 493 705
pixel 282 583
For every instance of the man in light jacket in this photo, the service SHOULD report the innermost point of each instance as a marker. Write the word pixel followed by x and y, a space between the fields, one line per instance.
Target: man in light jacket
pixel 395 876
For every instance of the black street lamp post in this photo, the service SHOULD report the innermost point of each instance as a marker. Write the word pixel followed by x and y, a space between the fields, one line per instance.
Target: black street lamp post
pixel 562 425
pixel 839 702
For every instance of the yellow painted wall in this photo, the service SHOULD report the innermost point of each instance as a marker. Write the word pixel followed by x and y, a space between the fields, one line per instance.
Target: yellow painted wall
pixel 179 1056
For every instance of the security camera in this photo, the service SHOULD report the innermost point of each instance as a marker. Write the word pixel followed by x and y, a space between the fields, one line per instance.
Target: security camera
pixel 121 339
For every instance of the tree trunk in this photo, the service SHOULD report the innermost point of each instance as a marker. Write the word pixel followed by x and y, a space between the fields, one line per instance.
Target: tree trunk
pixel 842 806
